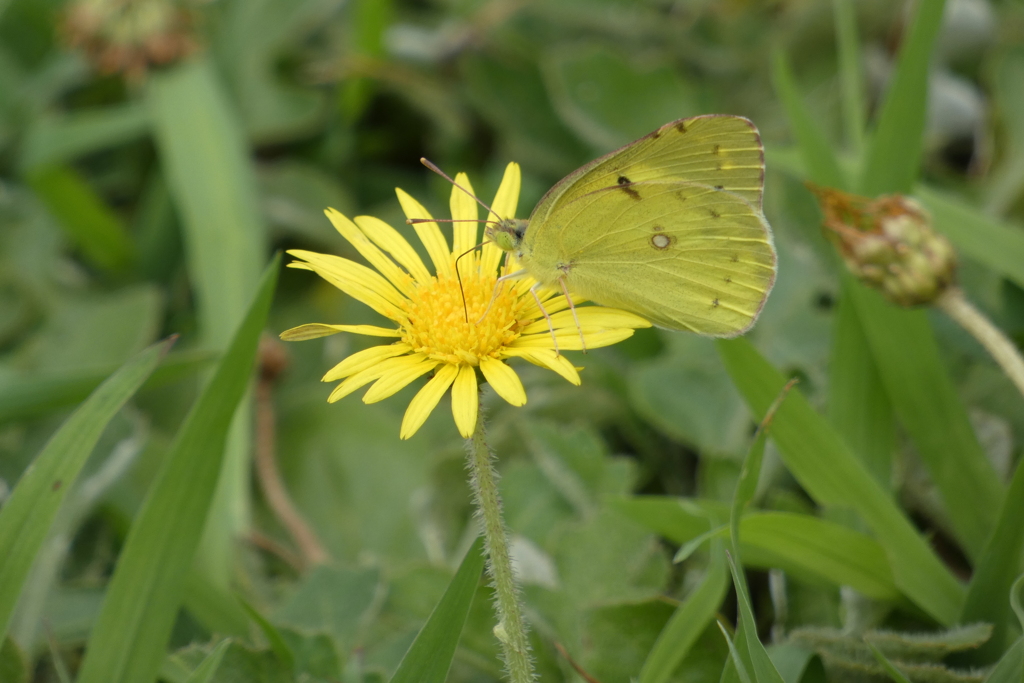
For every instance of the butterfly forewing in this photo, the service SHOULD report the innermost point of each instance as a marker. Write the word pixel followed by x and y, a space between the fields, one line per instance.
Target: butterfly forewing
pixel 685 256
pixel 717 150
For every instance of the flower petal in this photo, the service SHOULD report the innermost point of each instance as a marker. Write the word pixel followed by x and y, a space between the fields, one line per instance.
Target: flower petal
pixel 430 234
pixel 504 206
pixel 597 317
pixel 391 241
pixel 426 400
pixel 399 378
pixel 378 259
pixel 503 380
pixel 317 330
pixel 569 339
pixel 367 358
pixel 546 358
pixel 466 400
pixel 357 281
pixel 374 372
pixel 463 206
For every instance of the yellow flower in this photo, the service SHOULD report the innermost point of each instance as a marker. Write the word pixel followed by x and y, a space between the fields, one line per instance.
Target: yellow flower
pixel 437 332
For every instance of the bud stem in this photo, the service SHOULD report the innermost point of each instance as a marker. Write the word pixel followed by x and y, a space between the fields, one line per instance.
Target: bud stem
pixel 999 346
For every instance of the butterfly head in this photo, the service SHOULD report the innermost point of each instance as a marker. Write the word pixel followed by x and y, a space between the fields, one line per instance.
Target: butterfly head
pixel 508 234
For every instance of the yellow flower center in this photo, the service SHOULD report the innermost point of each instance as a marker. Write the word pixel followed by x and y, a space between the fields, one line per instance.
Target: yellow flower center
pixel 444 328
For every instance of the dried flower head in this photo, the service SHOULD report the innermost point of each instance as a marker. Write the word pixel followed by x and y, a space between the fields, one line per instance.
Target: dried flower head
pixel 890 245
pixel 130 36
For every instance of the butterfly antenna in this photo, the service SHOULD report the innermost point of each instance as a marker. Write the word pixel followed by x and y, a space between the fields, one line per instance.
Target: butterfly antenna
pixel 433 167
pixel 458 274
pixel 414 221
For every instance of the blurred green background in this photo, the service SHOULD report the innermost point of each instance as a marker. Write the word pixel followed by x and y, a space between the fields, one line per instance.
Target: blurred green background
pixel 153 159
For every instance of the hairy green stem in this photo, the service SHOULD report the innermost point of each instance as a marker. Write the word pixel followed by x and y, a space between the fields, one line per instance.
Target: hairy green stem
pixel 511 629
pixel 1003 351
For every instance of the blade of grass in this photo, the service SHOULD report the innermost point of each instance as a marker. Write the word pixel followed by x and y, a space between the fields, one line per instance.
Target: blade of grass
pixel 890 669
pixel 37 394
pixel 858 406
pixel 143 597
pixel 204 672
pixel 88 221
pixel 27 516
pixel 688 622
pixel 430 655
pixel 995 571
pixel 894 155
pixel 762 665
pixel 55 138
pixel 737 667
pixel 991 242
pixel 927 405
pixel 1009 669
pixel 851 76
pixel 207 166
pixel 817 550
pixel 823 464
pixel 815 149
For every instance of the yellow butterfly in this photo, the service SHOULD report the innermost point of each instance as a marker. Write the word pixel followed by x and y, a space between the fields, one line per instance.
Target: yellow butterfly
pixel 668 227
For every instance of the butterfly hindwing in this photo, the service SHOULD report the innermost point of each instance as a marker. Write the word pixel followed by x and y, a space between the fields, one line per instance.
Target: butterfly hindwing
pixel 686 256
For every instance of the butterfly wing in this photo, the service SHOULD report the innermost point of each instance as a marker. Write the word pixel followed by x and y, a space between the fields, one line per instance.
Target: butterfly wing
pixel 717 150
pixel 685 256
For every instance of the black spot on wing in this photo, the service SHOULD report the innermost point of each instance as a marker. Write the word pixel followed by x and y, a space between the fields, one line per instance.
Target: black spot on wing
pixel 714 213
pixel 627 187
pixel 681 126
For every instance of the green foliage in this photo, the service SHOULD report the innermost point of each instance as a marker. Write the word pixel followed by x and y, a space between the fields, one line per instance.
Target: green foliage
pixel 883 504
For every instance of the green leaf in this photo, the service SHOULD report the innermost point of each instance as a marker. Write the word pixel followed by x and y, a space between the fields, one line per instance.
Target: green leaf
pixel 56 138
pixel 825 467
pixel 927 404
pixel 204 672
pixel 35 394
pixel 895 153
pixel 819 159
pixel 990 242
pixel 145 592
pixel 26 517
pixel 332 600
pixel 687 623
pixel 89 222
pixel 995 571
pixel 430 655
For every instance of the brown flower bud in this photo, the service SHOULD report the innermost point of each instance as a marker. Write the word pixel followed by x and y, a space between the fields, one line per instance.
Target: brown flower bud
pixel 889 244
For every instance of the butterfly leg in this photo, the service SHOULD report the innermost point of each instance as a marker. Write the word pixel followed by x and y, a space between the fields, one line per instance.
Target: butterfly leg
pixel 551 327
pixel 497 286
pixel 572 307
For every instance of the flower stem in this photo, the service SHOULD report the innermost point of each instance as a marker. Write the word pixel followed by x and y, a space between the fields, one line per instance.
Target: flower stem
pixel 1002 350
pixel 511 629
